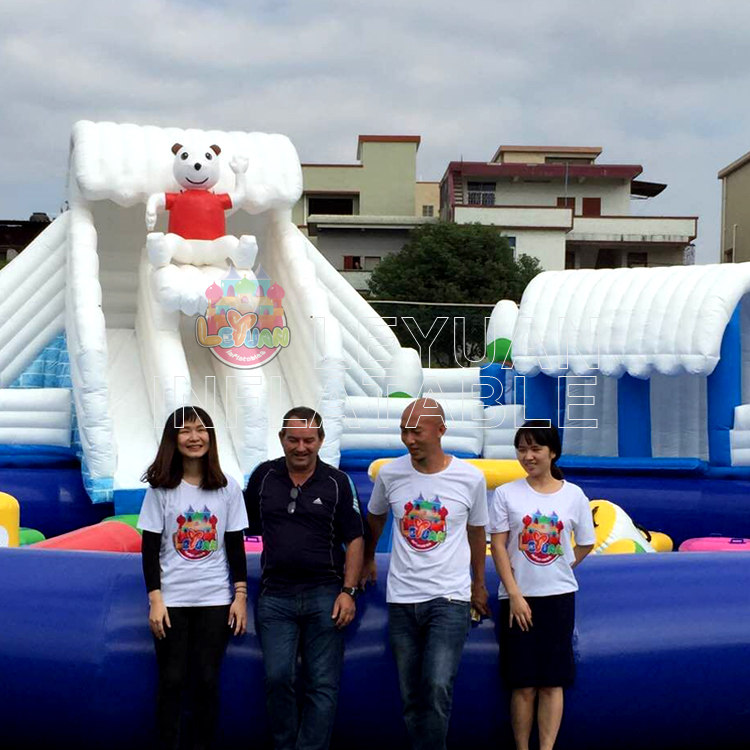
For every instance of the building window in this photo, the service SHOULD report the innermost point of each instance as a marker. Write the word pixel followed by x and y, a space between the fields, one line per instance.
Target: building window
pixel 570 259
pixel 336 205
pixel 428 210
pixel 572 160
pixel 352 262
pixel 608 257
pixel 481 193
pixel 371 261
pixel 592 207
pixel 566 202
pixel 512 244
pixel 637 260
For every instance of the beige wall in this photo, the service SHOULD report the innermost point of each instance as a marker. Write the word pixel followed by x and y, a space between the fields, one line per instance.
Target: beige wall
pixel 522 157
pixel 736 210
pixel 547 246
pixel 337 243
pixel 385 180
pixel 427 194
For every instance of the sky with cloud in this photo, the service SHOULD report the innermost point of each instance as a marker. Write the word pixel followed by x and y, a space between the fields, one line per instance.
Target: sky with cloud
pixel 662 83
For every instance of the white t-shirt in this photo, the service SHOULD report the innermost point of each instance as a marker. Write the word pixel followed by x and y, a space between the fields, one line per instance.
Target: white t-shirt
pixel 539 540
pixel 430 557
pixel 192 522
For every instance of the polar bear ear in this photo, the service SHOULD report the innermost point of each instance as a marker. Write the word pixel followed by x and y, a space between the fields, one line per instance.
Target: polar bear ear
pixel 215 149
pixel 176 148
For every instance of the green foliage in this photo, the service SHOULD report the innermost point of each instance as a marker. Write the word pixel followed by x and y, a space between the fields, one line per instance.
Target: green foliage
pixel 453 263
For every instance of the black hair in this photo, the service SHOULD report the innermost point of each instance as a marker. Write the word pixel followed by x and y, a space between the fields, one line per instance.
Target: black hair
pixel 166 470
pixel 541 432
pixel 304 414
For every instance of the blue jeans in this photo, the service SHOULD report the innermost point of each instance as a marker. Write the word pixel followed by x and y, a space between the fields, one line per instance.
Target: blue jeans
pixel 427 640
pixel 288 625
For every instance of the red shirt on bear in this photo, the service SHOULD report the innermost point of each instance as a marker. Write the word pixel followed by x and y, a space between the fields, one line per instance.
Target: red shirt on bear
pixel 197 214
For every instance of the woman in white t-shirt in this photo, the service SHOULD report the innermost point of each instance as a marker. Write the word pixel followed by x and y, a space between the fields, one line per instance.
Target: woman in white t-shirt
pixel 192 519
pixel 531 521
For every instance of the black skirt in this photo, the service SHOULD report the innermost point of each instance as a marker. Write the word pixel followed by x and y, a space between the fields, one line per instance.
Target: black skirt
pixel 543 655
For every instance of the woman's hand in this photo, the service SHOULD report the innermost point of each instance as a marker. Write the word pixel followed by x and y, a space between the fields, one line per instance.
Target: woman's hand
pixel 158 616
pixel 238 614
pixel 520 611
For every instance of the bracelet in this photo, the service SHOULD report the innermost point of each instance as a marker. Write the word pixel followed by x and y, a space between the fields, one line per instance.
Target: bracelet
pixel 237 592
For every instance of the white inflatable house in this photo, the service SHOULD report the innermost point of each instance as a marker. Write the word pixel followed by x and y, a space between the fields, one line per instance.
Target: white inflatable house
pixel 100 338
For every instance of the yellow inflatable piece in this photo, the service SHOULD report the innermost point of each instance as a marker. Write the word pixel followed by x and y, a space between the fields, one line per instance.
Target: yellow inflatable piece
pixel 614 528
pixel 496 471
pixel 10 520
pixel 623 547
pixel 661 542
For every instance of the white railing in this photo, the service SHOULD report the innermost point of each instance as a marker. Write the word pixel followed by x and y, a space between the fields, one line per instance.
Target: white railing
pixel 634 228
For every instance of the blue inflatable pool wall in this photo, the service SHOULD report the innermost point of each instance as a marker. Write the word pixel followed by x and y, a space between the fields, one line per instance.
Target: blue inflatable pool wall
pixel 662 648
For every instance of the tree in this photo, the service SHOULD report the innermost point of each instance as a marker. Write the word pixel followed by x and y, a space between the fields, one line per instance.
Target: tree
pixel 449 263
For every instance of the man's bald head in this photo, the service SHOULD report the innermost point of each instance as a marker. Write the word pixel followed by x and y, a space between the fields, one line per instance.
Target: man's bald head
pixel 422 410
pixel 422 428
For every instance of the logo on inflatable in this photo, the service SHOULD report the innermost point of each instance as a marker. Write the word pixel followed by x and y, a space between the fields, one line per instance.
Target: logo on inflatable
pixel 195 537
pixel 244 325
pixel 540 538
pixel 423 523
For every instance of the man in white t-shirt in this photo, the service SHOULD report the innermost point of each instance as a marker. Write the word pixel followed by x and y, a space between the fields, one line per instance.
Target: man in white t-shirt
pixel 436 574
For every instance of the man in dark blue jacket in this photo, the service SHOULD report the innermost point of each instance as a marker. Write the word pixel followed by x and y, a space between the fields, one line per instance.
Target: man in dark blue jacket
pixel 309 517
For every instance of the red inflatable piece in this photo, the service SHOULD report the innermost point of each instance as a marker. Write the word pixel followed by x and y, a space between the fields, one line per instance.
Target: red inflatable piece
pixel 112 536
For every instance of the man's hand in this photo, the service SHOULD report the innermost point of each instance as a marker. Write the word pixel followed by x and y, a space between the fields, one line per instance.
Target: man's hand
pixel 344 610
pixel 158 618
pixel 369 573
pixel 479 598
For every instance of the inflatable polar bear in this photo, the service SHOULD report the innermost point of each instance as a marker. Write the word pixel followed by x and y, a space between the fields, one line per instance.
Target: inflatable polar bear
pixel 196 233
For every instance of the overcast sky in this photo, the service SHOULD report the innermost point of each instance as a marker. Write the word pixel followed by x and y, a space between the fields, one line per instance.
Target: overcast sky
pixel 661 83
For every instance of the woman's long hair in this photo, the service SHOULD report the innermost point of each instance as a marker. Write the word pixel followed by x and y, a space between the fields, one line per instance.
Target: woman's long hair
pixel 539 431
pixel 167 469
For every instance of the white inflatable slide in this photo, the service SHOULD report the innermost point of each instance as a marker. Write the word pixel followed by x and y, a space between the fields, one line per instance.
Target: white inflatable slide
pixel 134 358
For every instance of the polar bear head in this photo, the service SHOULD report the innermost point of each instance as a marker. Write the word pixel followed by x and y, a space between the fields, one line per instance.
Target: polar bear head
pixel 196 167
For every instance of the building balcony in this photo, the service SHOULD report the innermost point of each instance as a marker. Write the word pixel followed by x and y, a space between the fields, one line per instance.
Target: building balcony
pixel 663 230
pixel 516 217
pixel 358 279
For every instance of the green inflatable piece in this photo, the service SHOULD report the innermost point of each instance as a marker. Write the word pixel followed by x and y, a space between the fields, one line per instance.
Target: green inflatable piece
pixel 131 519
pixel 399 394
pixel 499 351
pixel 29 536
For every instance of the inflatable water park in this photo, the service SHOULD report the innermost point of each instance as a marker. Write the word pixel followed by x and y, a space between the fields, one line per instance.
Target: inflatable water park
pixel 126 308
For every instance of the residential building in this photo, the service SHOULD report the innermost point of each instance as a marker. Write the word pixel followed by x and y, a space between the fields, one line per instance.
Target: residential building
pixel 358 213
pixel 735 211
pixel 16 234
pixel 558 204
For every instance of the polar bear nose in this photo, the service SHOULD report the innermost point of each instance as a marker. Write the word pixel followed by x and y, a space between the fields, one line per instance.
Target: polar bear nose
pixel 197 166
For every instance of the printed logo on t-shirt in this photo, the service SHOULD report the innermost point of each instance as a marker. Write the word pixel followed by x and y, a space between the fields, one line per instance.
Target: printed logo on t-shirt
pixel 540 538
pixel 423 524
pixel 195 537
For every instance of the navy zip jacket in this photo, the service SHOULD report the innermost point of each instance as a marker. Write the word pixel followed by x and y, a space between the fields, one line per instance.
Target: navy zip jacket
pixel 303 537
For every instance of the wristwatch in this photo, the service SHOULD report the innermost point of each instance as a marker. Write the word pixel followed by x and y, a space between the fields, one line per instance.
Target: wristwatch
pixel 353 591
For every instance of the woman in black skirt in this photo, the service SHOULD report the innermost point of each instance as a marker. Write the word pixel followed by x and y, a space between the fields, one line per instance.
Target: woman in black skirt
pixel 531 520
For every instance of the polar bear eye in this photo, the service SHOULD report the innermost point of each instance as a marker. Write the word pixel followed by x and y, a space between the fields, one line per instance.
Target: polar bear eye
pixel 208 156
pixel 184 155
